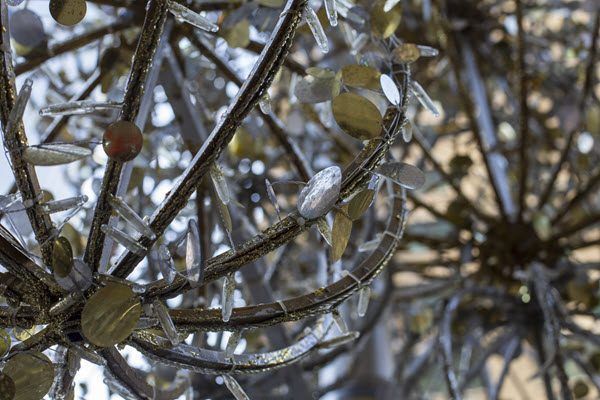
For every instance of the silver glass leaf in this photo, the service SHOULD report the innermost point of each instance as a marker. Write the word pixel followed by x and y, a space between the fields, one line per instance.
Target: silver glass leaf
pixel 339 321
pixel 235 388
pixel 423 98
pixel 272 197
pixel 162 313
pixel 264 103
pixel 54 154
pixel 166 264
pixel 220 183
pixel 16 114
pixel 228 292
pixel 321 193
pixel 405 175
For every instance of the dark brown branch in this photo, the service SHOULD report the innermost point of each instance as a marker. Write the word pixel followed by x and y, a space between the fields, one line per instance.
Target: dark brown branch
pixel 523 110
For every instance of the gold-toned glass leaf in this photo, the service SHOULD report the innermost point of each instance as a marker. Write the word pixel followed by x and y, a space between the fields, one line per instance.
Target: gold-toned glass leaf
pixel 361 76
pixel 68 12
pixel 340 234
pixel 357 116
pixel 406 53
pixel 360 203
pixel 384 24
pixel 62 257
pixel 110 315
pixel 32 374
pixel 7 387
pixel 4 342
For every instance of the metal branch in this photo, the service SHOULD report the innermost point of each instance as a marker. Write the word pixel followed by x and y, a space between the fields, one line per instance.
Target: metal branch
pixel 149 41
pixel 247 97
pixel 523 111
pixel 15 142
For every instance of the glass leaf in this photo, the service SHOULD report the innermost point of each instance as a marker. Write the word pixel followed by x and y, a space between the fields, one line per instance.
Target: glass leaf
pixel 321 193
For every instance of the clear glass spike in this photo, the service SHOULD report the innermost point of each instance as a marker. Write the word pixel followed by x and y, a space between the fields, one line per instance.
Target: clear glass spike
pixel 389 4
pixel 16 114
pixel 233 342
pixel 359 43
pixel 228 292
pixel 220 183
pixel 407 132
pixel 339 321
pixel 129 215
pixel 364 295
pixel 9 200
pixel 162 313
pixel 166 264
pixel 124 239
pixel 79 108
pixel 193 255
pixel 184 14
pixel 339 340
pixel 235 388
pixel 423 98
pixel 331 10
pixel 316 28
pixel 51 207
pixel 264 103
pixel 427 51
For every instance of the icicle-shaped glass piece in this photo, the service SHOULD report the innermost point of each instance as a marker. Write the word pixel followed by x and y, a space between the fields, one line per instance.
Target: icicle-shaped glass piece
pixel 389 4
pixel 316 28
pixel 339 321
pixel 235 388
pixel 407 132
pixel 124 239
pixel 9 200
pixel 51 207
pixel 87 354
pixel 358 43
pixel 345 9
pixel 427 51
pixel 331 10
pixel 233 342
pixel 264 103
pixel 129 215
pixel 220 183
pixel 423 97
pixel 193 255
pixel 272 197
pixel 370 245
pixel 228 292
pixel 16 114
pixel 339 340
pixel 79 108
pixel 162 313
pixel 166 264
pixel 54 153
pixel 184 14
pixel 364 296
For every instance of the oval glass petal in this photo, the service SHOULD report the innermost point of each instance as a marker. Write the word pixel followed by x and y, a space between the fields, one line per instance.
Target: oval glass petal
pixel 55 154
pixel 321 193
pixel 403 174
pixel 390 90
pixel 110 315
pixel 32 374
pixel 357 116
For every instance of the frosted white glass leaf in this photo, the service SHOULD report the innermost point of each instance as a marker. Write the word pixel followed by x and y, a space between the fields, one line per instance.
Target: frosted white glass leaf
pixel 390 90
pixel 427 51
pixel 405 175
pixel 184 14
pixel 423 98
pixel 235 388
pixel 129 215
pixel 193 255
pixel 54 154
pixel 316 28
pixel 124 239
pixel 389 4
pixel 79 108
pixel 220 183
pixel 358 43
pixel 264 103
pixel 321 193
pixel 166 264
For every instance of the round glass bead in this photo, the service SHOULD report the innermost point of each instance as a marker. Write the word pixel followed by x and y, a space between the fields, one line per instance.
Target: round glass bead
pixel 122 141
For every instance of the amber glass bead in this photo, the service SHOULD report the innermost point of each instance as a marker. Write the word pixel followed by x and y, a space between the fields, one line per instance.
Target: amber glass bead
pixel 122 141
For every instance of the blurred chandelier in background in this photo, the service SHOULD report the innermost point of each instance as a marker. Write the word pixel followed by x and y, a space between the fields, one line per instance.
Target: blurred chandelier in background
pixel 210 199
